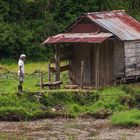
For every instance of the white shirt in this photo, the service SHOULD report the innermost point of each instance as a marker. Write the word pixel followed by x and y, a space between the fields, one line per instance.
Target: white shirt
pixel 20 64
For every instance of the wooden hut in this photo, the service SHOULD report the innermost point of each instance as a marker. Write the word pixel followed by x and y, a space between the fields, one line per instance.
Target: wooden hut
pixel 104 48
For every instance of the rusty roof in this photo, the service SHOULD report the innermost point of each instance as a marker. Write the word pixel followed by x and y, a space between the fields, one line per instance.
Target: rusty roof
pixel 78 37
pixel 117 22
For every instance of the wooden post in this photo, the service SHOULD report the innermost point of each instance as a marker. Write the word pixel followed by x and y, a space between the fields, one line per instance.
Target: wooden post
pixel 97 63
pixel 57 63
pixel 82 73
pixel 41 80
pixel 49 73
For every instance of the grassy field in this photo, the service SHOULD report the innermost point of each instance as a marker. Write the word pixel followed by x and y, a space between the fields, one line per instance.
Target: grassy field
pixel 34 103
pixel 9 79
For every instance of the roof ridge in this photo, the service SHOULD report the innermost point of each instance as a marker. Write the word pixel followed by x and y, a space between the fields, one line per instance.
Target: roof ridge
pixel 103 12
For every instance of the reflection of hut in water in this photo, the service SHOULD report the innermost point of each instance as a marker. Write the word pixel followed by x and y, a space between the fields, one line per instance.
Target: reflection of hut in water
pixel 108 45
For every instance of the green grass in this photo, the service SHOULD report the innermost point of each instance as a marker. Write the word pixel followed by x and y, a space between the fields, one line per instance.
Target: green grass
pixel 9 79
pixel 35 103
pixel 9 83
pixel 126 118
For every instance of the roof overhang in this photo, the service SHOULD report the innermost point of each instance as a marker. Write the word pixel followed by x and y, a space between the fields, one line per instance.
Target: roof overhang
pixel 77 37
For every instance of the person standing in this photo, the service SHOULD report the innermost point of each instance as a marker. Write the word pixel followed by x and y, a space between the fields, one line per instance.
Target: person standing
pixel 21 71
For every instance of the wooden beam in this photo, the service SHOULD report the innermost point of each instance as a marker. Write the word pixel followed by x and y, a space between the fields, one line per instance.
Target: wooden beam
pixel 57 62
pixel 62 57
pixel 97 65
pixel 62 68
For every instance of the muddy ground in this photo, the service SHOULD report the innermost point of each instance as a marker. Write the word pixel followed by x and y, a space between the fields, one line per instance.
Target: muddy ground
pixel 66 129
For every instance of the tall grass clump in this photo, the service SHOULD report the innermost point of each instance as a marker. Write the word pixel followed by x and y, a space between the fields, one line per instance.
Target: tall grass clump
pixel 126 118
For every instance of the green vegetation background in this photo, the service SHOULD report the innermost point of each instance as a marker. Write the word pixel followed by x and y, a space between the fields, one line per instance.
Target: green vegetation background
pixel 25 24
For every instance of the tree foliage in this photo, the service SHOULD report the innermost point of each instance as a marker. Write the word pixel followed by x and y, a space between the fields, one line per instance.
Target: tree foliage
pixel 24 24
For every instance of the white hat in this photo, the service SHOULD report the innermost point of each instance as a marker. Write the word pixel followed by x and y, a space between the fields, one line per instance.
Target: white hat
pixel 22 55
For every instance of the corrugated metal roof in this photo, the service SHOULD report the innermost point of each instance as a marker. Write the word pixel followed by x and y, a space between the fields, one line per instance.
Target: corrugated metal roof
pixel 78 37
pixel 117 22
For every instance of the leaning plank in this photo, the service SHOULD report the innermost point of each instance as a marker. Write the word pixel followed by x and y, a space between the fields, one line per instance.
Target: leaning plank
pixel 62 57
pixel 62 68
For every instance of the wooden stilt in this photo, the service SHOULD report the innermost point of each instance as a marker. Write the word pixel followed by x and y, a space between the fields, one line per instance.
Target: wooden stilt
pixel 97 66
pixel 49 73
pixel 57 62
pixel 41 80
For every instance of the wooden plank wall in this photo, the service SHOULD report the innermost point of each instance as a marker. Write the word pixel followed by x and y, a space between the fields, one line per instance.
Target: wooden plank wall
pixel 87 52
pixel 132 58
pixel 80 52
pixel 93 59
pixel 111 62
pixel 106 62
pixel 118 59
pixel 72 71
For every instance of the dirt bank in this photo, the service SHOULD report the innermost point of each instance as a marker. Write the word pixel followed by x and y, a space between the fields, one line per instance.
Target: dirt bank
pixel 66 129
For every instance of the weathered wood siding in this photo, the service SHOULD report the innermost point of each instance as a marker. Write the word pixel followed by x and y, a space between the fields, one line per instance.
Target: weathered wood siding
pixel 80 52
pixel 87 52
pixel 132 58
pixel 118 59
pixel 106 63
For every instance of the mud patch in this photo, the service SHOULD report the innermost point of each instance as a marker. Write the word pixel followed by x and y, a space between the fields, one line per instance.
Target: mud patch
pixel 66 129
